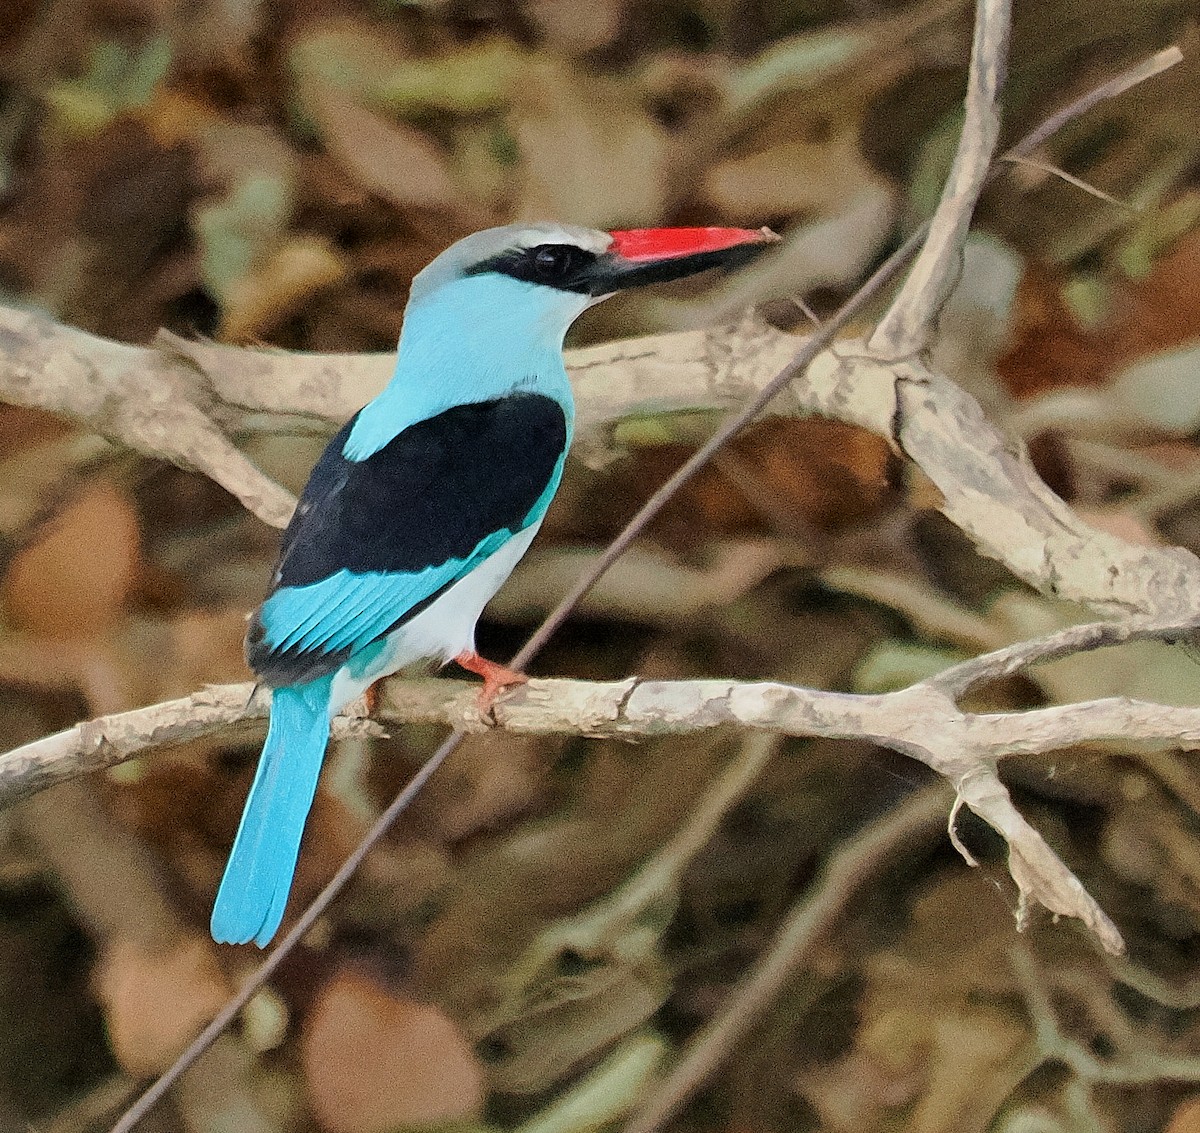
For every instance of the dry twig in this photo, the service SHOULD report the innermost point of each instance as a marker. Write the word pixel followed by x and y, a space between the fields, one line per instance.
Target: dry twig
pixel 144 399
pixel 911 320
pixel 1130 1064
pixel 988 486
pixel 850 867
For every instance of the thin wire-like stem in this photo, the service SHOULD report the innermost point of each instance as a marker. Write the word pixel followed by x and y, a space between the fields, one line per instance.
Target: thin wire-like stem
pixel 1070 179
pixel 1117 85
pixel 887 271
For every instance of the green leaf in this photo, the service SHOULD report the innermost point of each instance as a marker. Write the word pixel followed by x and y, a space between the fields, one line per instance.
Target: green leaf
pixel 234 229
pixel 118 78
pixel 795 63
pixel 895 665
pixel 467 82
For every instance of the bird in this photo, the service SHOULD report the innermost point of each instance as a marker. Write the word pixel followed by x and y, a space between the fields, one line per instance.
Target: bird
pixel 422 504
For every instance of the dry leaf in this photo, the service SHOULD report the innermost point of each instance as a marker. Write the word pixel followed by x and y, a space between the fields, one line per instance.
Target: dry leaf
pixel 789 177
pixel 358 56
pixel 396 161
pixel 781 475
pixel 202 647
pixel 474 80
pixel 270 293
pixel 1162 390
pixel 1155 314
pixel 617 172
pixel 574 28
pixel 377 1062
pixel 1186 1119
pixel 75 580
pixel 154 1002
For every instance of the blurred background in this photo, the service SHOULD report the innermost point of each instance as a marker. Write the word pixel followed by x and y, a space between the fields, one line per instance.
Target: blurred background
pixel 275 173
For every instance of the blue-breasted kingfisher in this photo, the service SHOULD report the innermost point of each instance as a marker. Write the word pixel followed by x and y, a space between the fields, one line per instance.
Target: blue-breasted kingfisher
pixel 423 503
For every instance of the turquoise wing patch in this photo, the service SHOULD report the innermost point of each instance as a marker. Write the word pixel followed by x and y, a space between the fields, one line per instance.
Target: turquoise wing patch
pixel 318 627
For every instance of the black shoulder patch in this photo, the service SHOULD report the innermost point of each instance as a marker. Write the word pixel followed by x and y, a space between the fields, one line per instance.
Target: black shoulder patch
pixel 429 495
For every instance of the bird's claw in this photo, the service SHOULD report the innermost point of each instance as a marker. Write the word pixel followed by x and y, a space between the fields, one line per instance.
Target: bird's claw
pixel 496 678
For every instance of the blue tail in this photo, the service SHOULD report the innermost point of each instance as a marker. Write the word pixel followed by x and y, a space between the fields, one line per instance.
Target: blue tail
pixel 258 876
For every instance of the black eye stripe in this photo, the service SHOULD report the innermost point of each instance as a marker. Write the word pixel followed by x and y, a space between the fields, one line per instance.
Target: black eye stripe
pixel 554 265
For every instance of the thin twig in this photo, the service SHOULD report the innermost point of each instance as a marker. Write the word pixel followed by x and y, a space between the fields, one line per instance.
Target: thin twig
pixel 1070 179
pixel 1128 1065
pixel 1117 85
pixel 960 679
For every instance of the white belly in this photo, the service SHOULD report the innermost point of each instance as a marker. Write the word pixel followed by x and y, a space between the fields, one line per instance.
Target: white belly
pixel 445 628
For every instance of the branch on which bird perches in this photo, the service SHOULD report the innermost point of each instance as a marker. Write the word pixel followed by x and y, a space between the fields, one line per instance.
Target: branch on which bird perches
pixel 922 721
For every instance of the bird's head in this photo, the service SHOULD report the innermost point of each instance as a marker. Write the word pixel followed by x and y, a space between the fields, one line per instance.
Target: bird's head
pixel 488 316
pixel 555 271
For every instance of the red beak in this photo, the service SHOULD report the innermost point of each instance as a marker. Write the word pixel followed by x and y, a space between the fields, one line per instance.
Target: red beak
pixel 639 245
pixel 658 255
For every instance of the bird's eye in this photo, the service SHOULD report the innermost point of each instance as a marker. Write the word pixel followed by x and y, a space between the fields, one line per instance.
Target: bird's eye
pixel 554 261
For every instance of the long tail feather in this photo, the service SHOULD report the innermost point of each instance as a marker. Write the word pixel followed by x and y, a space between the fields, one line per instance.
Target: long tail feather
pixel 258 876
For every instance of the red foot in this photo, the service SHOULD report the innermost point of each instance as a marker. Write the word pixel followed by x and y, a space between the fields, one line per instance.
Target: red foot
pixel 371 697
pixel 495 677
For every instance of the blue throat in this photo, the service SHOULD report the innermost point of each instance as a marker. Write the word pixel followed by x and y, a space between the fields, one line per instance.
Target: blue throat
pixel 477 339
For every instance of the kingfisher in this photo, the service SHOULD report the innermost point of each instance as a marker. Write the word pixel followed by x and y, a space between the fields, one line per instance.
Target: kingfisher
pixel 423 503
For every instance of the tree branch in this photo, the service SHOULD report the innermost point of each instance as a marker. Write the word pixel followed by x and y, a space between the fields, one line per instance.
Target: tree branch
pixel 989 487
pixel 145 399
pixel 922 721
pixel 912 318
